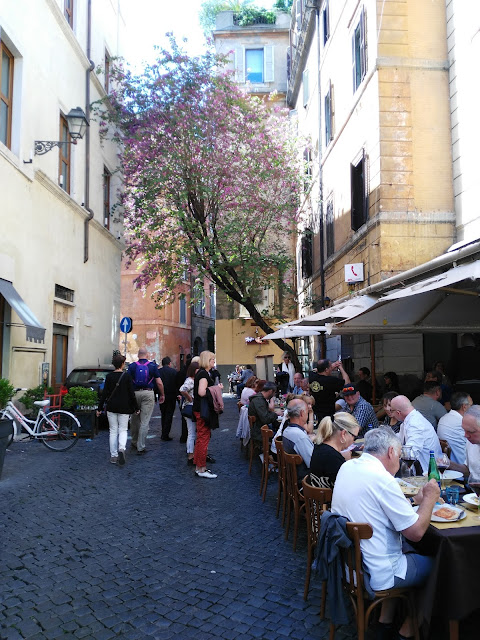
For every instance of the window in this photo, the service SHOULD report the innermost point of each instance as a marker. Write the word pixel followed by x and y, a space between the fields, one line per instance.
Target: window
pixel 307 159
pixel 183 310
pixel 212 302
pixel 107 72
pixel 306 88
pixel 358 193
pixel 106 197
pixel 63 293
pixel 6 90
pixel 359 52
pixel 329 115
pixel 326 22
pixel 68 11
pixel 329 229
pixel 199 305
pixel 265 303
pixel 254 65
pixel 307 254
pixel 64 156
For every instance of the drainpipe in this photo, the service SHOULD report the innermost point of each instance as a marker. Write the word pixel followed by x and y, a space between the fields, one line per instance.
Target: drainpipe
pixel 87 134
pixel 320 178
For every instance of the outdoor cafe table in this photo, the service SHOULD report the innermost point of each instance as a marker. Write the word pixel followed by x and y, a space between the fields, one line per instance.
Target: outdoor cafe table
pixel 451 591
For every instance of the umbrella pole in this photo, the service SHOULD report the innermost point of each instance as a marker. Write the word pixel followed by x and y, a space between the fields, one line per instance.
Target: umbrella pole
pixel 372 368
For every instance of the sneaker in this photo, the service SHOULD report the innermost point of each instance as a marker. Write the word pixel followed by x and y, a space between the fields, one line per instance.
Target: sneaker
pixel 206 474
pixel 121 457
pixel 189 460
pixel 210 459
pixel 114 459
pixel 141 452
pixel 166 438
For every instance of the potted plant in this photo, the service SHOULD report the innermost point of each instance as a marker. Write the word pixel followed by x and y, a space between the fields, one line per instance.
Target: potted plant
pixel 6 392
pixel 6 426
pixel 83 402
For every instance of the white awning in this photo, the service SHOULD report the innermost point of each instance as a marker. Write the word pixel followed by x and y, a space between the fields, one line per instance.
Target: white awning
pixel 35 331
pixel 347 309
pixel 431 305
pixel 285 333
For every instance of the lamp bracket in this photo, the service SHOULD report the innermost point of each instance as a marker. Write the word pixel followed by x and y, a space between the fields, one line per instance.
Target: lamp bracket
pixel 44 146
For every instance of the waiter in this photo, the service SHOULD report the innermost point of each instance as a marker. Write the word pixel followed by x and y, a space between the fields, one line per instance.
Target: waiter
pixel 324 386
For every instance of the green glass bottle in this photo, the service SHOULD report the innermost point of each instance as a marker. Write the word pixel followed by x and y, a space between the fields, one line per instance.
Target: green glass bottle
pixel 433 472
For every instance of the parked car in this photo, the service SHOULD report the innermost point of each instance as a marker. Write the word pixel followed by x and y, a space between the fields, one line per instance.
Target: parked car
pixel 92 377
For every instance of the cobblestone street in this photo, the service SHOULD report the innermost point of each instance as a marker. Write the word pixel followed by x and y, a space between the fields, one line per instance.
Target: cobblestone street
pixel 91 550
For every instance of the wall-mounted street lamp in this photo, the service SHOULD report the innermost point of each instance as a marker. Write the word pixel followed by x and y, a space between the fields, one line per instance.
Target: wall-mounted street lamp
pixel 77 124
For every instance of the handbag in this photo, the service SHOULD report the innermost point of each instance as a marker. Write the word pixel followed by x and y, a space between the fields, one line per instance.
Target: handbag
pixel 187 411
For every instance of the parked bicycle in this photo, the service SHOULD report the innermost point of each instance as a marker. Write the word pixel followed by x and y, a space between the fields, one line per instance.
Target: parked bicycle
pixel 59 430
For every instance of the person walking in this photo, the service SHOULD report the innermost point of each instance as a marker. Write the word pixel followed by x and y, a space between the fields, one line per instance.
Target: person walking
pixel 179 380
pixel 145 375
pixel 168 374
pixel 187 410
pixel 120 400
pixel 202 381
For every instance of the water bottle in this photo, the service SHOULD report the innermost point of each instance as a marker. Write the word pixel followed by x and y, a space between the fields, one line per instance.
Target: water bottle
pixel 433 472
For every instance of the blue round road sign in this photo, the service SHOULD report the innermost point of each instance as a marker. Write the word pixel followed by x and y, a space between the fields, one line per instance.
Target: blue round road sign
pixel 126 324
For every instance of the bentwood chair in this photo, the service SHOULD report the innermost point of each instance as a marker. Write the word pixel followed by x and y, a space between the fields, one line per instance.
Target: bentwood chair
pixel 317 500
pixel 269 465
pixel 295 499
pixel 445 447
pixel 353 584
pixel 282 479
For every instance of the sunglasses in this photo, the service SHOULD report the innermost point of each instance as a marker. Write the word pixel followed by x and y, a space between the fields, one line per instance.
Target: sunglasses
pixel 352 434
pixel 348 389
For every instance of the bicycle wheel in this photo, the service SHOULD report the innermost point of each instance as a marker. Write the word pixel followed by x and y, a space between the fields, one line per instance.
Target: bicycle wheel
pixel 4 416
pixel 60 430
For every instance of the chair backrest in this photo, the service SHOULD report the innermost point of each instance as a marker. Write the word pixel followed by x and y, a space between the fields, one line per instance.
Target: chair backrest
pixel 292 461
pixel 317 500
pixel 352 558
pixel 239 405
pixel 446 448
pixel 252 420
pixel 55 399
pixel 282 473
pixel 267 433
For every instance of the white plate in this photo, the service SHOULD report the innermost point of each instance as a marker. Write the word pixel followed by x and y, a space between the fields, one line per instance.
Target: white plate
pixel 450 475
pixel 406 487
pixel 471 498
pixel 434 518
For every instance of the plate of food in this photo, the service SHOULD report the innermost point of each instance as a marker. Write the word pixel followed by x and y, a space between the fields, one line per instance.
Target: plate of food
pixel 471 498
pixel 407 488
pixel 446 513
pixel 449 475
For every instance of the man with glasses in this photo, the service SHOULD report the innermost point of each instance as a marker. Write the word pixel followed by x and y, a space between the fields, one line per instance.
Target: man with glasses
pixel 296 437
pixel 360 409
pixel 416 431
pixel 450 426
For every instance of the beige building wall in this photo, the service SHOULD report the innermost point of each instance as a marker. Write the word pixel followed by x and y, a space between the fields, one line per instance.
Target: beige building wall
pixel 43 226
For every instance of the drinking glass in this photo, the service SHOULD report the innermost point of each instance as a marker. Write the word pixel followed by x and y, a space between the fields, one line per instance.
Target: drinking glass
pixel 474 484
pixel 408 460
pixel 443 462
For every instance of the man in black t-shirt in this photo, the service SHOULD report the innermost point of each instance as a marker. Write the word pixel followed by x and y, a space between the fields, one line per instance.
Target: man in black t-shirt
pixel 324 386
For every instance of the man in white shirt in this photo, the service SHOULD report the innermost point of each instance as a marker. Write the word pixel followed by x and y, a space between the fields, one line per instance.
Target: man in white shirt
pixel 296 438
pixel 416 431
pixel 450 426
pixel 366 491
pixel 471 428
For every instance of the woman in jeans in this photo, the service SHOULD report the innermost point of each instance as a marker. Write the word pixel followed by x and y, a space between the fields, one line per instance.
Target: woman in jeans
pixel 121 403
pixel 187 392
pixel 202 381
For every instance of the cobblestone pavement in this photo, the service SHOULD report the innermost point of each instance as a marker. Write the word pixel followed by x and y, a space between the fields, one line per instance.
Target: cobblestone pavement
pixel 92 550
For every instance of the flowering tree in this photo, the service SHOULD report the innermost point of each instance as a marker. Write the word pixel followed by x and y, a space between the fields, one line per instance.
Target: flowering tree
pixel 210 177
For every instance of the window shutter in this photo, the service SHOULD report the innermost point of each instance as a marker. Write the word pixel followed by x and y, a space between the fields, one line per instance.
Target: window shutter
pixel 363 43
pixel 354 70
pixel 305 88
pixel 240 64
pixel 269 63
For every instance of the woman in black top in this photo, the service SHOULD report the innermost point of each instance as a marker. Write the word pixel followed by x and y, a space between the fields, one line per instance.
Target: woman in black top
pixel 391 417
pixel 334 435
pixel 202 381
pixel 121 402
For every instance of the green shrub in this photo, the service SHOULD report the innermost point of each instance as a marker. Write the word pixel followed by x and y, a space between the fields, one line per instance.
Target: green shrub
pixel 33 395
pixel 78 397
pixel 252 15
pixel 6 391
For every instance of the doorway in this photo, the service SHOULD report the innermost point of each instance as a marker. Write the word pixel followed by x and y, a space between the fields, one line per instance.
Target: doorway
pixel 59 356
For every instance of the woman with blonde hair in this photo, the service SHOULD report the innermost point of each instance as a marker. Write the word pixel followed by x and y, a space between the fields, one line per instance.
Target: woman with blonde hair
pixel 202 381
pixel 334 435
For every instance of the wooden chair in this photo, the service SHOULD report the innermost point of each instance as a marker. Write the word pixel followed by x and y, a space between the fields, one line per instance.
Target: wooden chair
pixel 446 448
pixel 239 405
pixel 295 499
pixel 354 585
pixel 282 479
pixel 269 465
pixel 55 400
pixel 317 500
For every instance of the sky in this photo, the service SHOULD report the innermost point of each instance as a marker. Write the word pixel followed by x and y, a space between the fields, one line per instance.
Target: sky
pixel 147 21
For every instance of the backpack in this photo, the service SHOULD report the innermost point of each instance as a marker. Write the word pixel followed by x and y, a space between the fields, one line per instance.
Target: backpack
pixel 141 378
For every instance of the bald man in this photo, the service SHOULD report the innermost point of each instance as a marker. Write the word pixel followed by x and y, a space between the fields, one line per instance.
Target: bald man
pixel 416 431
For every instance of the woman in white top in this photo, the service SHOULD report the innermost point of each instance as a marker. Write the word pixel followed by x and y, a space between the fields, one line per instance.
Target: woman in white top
pixel 287 367
pixel 248 391
pixel 187 392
